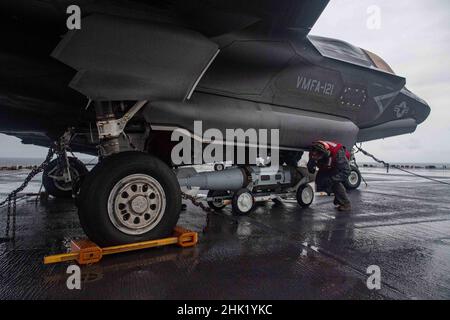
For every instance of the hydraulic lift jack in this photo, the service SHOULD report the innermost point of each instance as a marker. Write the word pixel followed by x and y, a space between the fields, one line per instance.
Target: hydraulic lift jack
pixel 87 252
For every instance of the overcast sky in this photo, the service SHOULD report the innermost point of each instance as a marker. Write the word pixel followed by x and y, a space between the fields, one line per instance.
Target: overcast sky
pixel 414 38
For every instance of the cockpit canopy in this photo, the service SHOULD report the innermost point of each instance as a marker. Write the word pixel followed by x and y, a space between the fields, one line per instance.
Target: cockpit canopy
pixel 344 51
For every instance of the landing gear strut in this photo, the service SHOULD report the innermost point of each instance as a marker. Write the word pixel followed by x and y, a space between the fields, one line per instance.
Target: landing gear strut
pixel 129 196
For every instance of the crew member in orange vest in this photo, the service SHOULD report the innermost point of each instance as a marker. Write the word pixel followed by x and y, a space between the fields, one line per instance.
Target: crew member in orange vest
pixel 332 160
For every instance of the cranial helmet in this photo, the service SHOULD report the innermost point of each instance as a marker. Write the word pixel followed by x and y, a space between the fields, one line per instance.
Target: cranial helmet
pixel 321 147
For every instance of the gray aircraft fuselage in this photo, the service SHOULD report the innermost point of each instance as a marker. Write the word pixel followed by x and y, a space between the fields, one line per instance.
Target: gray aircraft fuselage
pixel 308 87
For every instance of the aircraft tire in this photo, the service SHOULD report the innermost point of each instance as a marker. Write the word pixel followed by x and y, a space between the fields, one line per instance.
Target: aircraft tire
pixel 60 189
pixel 129 197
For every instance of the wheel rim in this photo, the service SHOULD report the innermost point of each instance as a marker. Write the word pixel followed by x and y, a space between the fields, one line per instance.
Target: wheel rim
pixel 218 203
pixel 307 195
pixel 66 186
pixel 136 204
pixel 353 178
pixel 245 202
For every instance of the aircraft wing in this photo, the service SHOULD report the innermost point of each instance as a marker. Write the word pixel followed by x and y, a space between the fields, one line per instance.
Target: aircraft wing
pixel 118 58
pixel 216 17
pixel 117 55
pixel 210 17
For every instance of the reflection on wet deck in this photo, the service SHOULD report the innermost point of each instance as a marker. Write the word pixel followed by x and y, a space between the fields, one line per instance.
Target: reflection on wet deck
pixel 400 223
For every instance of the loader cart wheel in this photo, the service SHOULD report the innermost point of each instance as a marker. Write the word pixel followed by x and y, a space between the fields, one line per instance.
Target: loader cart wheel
pixel 354 179
pixel 219 167
pixel 129 197
pixel 243 202
pixel 305 195
pixel 216 205
pixel 53 180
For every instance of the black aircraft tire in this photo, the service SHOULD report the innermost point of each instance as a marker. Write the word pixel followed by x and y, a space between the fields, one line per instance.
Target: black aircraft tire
pixel 134 184
pixel 354 179
pixel 305 195
pixel 57 189
pixel 235 202
pixel 213 205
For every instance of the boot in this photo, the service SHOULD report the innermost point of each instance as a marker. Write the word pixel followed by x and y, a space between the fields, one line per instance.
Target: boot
pixel 336 202
pixel 345 207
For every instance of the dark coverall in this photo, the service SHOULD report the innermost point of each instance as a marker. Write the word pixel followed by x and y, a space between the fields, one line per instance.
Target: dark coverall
pixel 330 180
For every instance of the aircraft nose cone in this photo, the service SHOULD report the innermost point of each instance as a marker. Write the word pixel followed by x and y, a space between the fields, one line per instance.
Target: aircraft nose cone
pixel 422 111
pixel 421 108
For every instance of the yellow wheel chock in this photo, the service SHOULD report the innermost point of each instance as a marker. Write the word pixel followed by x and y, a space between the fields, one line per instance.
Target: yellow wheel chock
pixel 87 252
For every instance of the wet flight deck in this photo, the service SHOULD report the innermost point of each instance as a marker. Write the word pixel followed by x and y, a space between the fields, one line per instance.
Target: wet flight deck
pixel 399 223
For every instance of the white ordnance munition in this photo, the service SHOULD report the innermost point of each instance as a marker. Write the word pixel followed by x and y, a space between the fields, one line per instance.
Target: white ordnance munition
pixel 246 185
